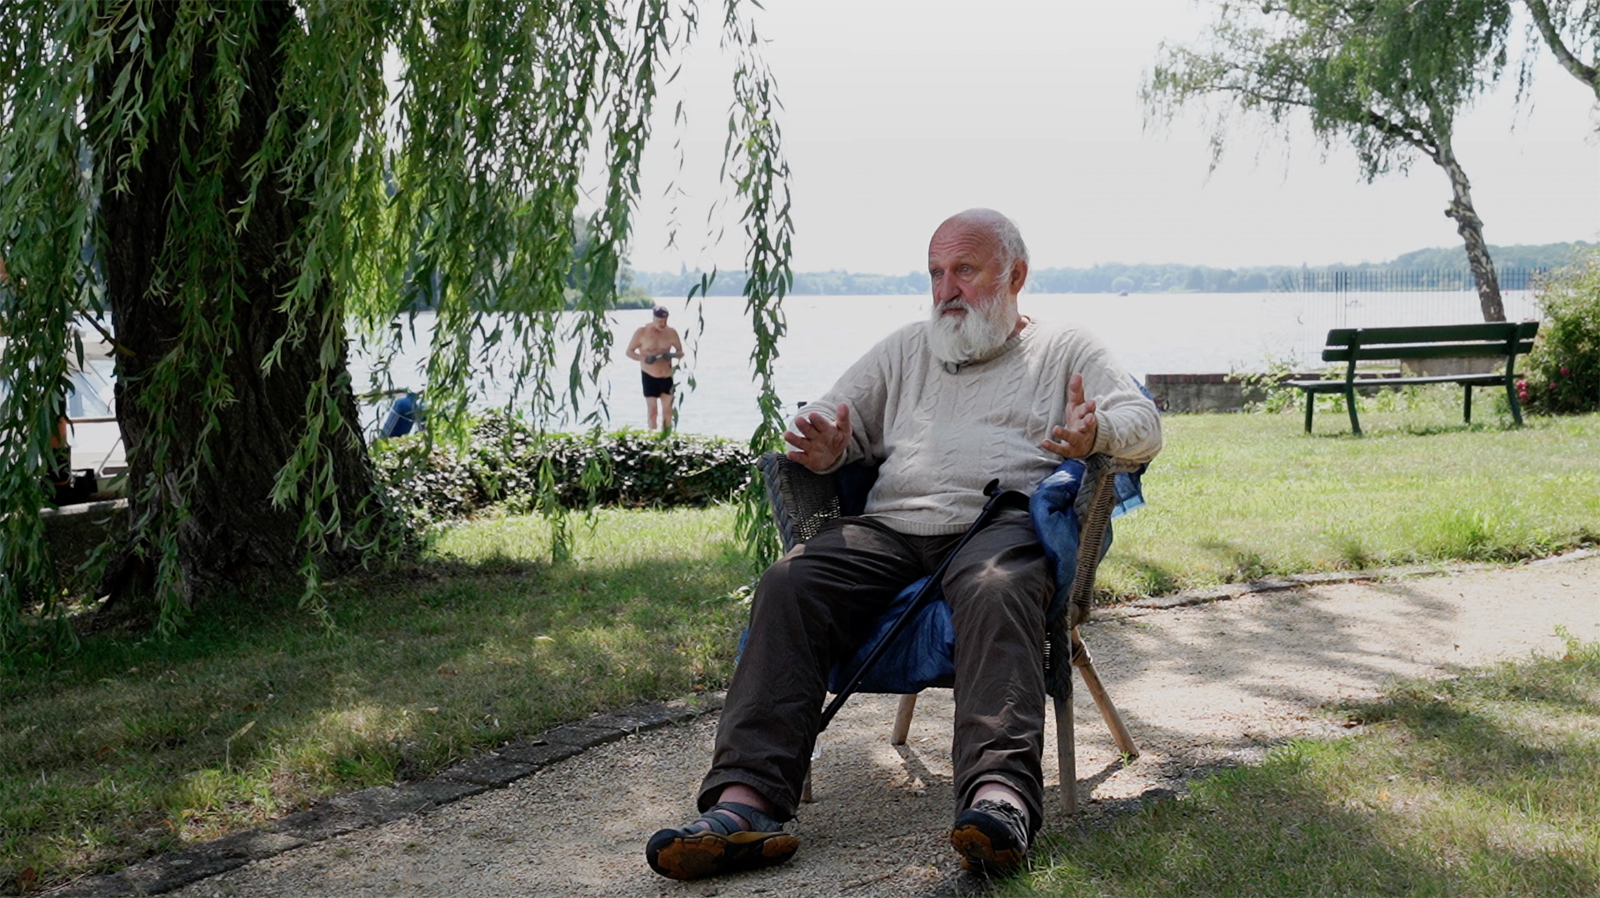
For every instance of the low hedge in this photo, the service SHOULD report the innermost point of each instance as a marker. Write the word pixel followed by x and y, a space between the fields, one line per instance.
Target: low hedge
pixel 505 459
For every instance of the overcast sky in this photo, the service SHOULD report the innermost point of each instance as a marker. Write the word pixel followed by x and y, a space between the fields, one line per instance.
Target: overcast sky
pixel 900 112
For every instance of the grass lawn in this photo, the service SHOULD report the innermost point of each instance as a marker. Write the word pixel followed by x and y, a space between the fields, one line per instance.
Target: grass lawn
pixel 1487 784
pixel 1238 497
pixel 126 747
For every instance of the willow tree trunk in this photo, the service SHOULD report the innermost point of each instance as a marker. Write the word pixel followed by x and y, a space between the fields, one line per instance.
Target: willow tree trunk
pixel 227 531
pixel 1470 227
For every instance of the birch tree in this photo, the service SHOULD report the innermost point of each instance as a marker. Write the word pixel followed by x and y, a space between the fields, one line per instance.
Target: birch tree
pixel 1388 78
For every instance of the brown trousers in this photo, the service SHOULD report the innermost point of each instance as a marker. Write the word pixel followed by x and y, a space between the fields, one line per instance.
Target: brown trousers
pixel 814 606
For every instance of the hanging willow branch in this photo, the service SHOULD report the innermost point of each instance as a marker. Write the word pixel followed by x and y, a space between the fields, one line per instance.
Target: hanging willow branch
pixel 237 186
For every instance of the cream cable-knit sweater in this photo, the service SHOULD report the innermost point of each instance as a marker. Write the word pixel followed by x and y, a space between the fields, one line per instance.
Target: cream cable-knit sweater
pixel 942 436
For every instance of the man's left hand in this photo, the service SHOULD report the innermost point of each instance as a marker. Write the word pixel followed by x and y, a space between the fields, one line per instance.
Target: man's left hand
pixel 1075 439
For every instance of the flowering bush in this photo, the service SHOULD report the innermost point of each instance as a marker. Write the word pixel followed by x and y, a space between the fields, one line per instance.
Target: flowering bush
pixel 1563 371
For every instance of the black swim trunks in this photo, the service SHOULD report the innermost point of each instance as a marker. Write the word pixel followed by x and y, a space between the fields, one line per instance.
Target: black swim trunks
pixel 655 386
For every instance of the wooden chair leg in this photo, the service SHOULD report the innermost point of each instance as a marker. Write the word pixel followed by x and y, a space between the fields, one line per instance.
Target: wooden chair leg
pixel 902 719
pixel 1097 691
pixel 805 790
pixel 1066 750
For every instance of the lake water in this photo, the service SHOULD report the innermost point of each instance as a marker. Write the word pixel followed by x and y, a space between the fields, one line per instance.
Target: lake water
pixel 1151 333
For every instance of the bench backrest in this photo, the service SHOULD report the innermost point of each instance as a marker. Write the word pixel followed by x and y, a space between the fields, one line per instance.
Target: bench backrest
pixel 1438 341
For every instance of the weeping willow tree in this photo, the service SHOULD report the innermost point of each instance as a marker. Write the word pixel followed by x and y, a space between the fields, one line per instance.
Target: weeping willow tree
pixel 1387 77
pixel 231 191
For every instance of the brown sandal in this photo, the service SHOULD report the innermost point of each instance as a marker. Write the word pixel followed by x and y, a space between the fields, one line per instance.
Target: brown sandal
pixel 718 842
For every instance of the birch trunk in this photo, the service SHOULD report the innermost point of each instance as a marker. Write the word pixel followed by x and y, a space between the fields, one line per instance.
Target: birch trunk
pixel 1470 227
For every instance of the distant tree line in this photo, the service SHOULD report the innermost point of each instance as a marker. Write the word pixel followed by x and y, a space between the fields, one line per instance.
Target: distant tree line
pixel 1423 269
pixel 816 283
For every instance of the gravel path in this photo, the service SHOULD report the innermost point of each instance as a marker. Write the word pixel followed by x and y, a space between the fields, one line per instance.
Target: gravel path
pixel 1214 682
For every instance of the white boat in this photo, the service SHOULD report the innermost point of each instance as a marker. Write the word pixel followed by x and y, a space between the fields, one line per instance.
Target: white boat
pixel 92 432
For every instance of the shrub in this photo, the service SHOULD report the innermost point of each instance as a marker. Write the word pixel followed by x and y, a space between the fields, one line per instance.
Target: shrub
pixel 505 462
pixel 1563 371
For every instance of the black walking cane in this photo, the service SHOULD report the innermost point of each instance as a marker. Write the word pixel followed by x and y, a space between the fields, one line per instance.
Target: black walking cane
pixel 922 597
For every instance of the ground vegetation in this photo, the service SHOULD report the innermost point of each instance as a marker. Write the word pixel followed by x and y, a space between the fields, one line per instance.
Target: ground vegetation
pixel 1477 784
pixel 1563 371
pixel 125 748
pixel 508 467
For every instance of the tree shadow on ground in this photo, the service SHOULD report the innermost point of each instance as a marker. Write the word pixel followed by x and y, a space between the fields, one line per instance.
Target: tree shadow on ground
pixel 1491 777
pixel 259 707
pixel 1252 649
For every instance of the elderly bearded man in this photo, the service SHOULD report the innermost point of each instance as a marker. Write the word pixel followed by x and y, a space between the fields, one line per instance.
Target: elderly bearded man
pixel 977 392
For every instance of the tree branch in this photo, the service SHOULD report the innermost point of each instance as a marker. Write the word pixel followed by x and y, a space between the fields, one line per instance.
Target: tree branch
pixel 110 340
pixel 1588 74
pixel 1409 131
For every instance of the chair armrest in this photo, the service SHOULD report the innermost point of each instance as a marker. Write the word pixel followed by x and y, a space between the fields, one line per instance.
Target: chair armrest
pixel 1099 478
pixel 802 501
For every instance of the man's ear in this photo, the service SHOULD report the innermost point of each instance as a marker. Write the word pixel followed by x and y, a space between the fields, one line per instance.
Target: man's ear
pixel 1019 276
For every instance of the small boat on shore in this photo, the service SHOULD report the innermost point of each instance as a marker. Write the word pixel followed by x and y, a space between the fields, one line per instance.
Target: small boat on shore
pixel 93 434
pixel 95 460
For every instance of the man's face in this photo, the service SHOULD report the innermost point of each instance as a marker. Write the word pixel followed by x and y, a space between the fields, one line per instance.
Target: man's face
pixel 659 322
pixel 974 302
pixel 967 269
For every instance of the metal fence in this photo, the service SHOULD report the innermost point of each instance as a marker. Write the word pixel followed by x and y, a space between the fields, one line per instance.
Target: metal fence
pixel 1324 300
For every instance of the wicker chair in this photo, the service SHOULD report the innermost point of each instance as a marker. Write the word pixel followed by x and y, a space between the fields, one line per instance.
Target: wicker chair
pixel 802 502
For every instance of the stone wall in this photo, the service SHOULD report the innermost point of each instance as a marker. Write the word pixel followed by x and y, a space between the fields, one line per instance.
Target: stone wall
pixel 1191 393
pixel 1187 393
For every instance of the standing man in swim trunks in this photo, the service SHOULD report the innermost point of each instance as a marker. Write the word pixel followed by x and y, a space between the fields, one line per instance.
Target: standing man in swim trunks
pixel 654 346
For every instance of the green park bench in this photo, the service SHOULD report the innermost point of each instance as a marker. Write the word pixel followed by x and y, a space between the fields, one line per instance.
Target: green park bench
pixel 1354 345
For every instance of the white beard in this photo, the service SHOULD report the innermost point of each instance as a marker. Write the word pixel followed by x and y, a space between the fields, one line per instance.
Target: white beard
pixel 977 334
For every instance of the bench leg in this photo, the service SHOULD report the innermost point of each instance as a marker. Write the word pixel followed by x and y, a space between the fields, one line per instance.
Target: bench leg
pixel 1466 403
pixel 1511 399
pixel 1311 406
pixel 1350 403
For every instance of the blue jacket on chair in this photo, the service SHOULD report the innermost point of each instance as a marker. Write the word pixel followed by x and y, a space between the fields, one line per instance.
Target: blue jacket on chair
pixel 924 653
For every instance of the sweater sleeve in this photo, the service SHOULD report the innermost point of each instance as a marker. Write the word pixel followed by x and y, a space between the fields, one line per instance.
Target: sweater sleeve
pixel 864 387
pixel 1129 423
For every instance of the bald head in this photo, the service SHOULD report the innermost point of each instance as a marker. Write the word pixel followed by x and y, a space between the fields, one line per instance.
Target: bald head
pixel 996 227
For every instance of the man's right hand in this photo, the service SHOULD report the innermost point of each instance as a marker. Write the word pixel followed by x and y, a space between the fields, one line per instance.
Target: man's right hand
pixel 819 443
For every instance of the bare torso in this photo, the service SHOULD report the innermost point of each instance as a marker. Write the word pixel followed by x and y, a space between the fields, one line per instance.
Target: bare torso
pixel 654 348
